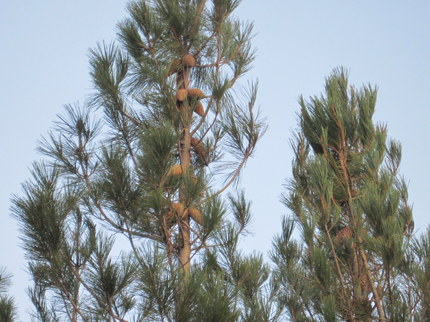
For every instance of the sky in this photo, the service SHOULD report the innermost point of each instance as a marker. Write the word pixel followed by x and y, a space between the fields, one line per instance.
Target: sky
pixel 44 65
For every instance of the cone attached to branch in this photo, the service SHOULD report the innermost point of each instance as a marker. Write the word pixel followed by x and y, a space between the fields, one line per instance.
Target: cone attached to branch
pixel 172 217
pixel 194 141
pixel 189 60
pixel 181 95
pixel 196 215
pixel 175 170
pixel 199 110
pixel 179 209
pixel 198 147
pixel 195 92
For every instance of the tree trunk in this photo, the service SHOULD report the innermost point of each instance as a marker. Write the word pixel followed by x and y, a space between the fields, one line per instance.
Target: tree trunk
pixel 184 224
pixel 185 159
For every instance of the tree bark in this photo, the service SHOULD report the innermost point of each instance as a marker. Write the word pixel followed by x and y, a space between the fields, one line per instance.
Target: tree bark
pixel 184 224
pixel 185 159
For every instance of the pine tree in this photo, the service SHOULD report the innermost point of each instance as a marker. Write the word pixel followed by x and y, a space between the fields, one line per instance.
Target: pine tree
pixel 167 131
pixel 357 259
pixel 8 311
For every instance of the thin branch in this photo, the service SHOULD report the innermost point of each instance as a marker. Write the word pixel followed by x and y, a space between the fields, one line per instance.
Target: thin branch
pixel 374 290
pixel 231 180
pixel 99 301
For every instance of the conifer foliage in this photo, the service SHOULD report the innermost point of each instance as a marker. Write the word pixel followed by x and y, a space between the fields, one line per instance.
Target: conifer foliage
pixel 166 132
pixel 8 311
pixel 357 259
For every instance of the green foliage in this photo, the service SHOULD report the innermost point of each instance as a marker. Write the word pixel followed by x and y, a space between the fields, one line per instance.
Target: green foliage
pixel 139 161
pixel 351 207
pixel 8 309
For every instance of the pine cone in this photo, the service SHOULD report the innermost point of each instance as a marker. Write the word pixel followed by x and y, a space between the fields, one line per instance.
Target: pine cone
pixel 199 149
pixel 200 110
pixel 179 209
pixel 189 60
pixel 196 215
pixel 194 141
pixel 175 170
pixel 195 92
pixel 181 95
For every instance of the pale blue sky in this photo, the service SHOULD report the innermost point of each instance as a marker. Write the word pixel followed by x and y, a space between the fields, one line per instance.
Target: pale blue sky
pixel 43 65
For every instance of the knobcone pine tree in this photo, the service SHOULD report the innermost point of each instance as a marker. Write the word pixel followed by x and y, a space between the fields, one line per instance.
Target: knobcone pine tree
pixel 167 131
pixel 357 259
